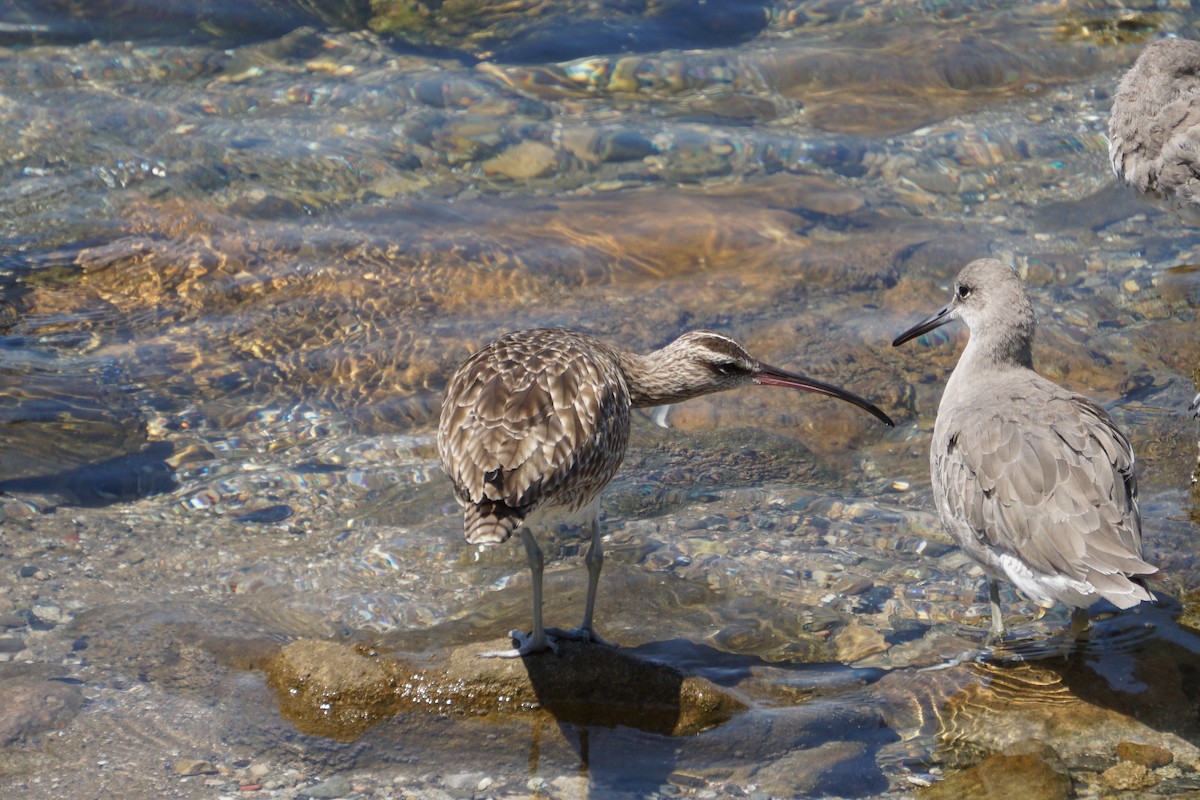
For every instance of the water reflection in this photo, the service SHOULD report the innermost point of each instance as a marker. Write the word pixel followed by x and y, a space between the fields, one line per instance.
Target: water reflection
pixel 243 247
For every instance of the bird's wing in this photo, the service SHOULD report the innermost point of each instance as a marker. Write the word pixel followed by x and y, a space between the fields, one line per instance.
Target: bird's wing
pixel 512 430
pixel 1060 492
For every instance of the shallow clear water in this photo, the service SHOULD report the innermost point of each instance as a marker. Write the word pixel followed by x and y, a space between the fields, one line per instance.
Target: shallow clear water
pixel 244 245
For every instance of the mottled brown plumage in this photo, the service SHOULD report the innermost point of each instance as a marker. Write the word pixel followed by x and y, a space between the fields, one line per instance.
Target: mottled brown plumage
pixel 1035 482
pixel 539 419
pixel 531 419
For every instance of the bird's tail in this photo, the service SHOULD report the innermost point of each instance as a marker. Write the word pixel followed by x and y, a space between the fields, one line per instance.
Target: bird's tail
pixel 491 523
pixel 1140 581
pixel 1126 591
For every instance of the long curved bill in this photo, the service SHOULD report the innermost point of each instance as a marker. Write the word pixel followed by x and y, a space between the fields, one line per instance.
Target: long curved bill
pixel 925 326
pixel 770 376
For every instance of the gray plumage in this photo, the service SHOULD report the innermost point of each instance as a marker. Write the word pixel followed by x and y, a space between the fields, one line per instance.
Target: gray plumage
pixel 539 420
pixel 1035 482
pixel 1154 127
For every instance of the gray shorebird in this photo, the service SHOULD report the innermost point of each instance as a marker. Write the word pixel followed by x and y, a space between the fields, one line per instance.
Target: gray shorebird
pixel 1036 483
pixel 1154 127
pixel 539 420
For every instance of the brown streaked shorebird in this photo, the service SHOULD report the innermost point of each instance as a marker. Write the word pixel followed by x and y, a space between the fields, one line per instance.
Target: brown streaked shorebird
pixel 1154 127
pixel 539 420
pixel 1036 483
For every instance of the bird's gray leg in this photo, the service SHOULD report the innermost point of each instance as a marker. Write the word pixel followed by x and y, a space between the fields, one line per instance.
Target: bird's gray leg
pixel 537 641
pixel 595 562
pixel 995 634
pixel 1081 622
pixel 1081 627
pixel 997 630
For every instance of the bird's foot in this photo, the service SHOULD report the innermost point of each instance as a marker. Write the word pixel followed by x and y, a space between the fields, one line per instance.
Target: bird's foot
pixel 584 633
pixel 527 644
pixel 659 415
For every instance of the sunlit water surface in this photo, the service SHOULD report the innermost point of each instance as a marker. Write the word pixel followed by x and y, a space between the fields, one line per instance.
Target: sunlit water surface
pixel 242 247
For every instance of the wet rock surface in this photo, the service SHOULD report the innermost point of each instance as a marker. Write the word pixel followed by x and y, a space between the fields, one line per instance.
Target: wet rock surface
pixel 338 690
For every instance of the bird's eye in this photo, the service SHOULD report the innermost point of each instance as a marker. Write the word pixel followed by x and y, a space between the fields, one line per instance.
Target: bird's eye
pixel 725 369
pixel 963 292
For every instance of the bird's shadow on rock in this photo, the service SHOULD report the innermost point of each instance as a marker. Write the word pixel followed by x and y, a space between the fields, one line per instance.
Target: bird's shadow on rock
pixel 1143 663
pixel 670 710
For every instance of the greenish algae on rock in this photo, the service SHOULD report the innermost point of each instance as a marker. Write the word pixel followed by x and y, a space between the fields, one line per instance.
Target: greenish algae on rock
pixel 339 690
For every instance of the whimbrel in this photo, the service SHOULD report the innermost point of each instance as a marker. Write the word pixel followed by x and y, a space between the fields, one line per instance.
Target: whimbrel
pixel 539 420
pixel 1036 483
pixel 1154 127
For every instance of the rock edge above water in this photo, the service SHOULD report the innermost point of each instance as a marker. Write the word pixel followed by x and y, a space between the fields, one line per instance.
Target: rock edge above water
pixel 339 690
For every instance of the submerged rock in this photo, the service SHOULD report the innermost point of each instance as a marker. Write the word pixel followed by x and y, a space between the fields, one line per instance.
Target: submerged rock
pixel 824 769
pixel 1128 776
pixel 1026 776
pixel 337 786
pixel 1148 755
pixel 191 767
pixel 532 31
pixel 528 159
pixel 225 21
pixel 29 707
pixel 115 480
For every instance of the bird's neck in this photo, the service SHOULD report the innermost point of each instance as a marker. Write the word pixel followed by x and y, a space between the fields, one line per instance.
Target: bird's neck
pixel 654 379
pixel 990 350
